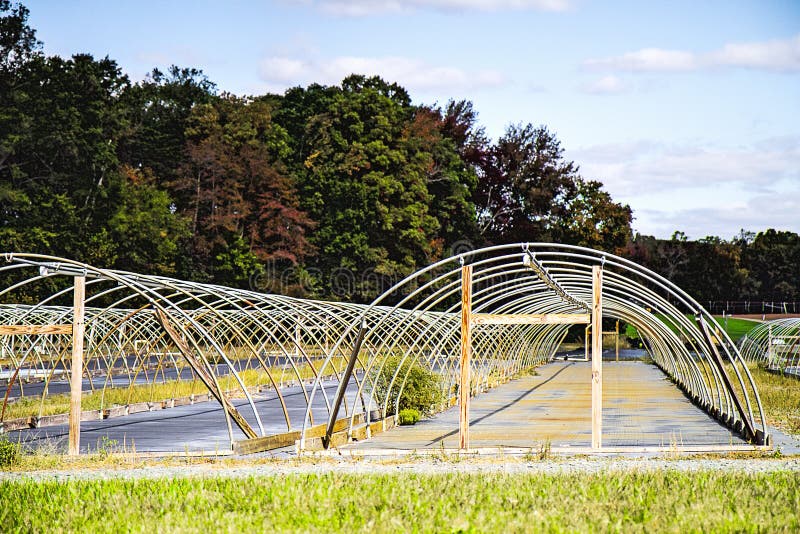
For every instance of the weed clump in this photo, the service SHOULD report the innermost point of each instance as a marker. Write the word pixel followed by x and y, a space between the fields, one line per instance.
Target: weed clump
pixel 421 387
pixel 408 416
pixel 9 452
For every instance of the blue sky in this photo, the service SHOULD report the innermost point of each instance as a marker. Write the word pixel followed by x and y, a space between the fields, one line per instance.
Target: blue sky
pixel 688 111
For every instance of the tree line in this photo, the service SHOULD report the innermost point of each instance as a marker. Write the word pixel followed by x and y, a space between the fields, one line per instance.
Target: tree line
pixel 748 267
pixel 170 175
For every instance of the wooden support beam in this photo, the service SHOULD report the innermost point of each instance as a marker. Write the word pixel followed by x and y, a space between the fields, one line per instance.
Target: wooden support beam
pixel 597 357
pixel 466 356
pixel 35 329
pixel 201 368
pixel 76 377
pixel 530 318
pixel 342 389
pixel 769 344
pixel 586 342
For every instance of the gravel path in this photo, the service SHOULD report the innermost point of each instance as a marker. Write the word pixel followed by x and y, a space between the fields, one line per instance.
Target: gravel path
pixel 426 466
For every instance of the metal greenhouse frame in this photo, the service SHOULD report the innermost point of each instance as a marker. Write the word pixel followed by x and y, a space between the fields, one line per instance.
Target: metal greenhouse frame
pixel 775 344
pixel 682 338
pixel 142 330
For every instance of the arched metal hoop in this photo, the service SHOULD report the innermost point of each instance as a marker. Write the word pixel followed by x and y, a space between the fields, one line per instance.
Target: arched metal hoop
pixel 423 325
pixel 147 330
pixel 774 344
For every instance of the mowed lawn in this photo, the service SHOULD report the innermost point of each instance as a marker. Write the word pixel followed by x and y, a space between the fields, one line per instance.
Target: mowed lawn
pixel 736 328
pixel 644 501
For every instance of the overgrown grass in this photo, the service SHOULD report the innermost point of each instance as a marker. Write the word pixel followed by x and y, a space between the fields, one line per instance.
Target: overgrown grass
pixel 10 452
pixel 114 455
pixel 780 396
pixel 170 389
pixel 628 502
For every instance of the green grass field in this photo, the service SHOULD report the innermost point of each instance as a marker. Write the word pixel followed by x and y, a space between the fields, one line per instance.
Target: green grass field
pixel 669 501
pixel 736 328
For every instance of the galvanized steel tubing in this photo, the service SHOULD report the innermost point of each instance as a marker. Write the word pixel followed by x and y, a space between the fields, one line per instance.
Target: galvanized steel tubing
pixel 774 344
pixel 423 325
pixel 144 329
pixel 221 333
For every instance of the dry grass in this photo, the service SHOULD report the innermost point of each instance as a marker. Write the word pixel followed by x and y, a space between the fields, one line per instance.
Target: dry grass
pixel 171 389
pixel 780 396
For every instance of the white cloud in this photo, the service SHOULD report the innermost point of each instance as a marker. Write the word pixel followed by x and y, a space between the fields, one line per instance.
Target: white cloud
pixel 758 213
pixel 282 69
pixel 701 190
pixel 605 85
pixel 413 74
pixel 647 59
pixel 358 8
pixel 771 55
pixel 775 55
pixel 652 167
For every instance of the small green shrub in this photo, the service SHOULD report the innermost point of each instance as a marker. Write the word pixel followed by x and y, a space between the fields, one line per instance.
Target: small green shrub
pixel 9 452
pixel 409 416
pixel 422 390
pixel 106 446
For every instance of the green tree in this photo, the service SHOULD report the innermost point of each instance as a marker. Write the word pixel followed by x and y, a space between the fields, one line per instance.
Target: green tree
pixel 708 269
pixel 158 110
pixel 594 220
pixel 18 48
pixel 441 141
pixel 363 177
pixel 241 206
pixel 59 162
pixel 62 188
pixel 772 261
pixel 18 43
pixel 527 191
pixel 146 223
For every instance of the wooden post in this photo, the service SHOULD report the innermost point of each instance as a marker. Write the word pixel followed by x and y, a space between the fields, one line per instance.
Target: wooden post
pixel 586 335
pixel 466 355
pixel 76 384
pixel 597 357
pixel 617 338
pixel 529 318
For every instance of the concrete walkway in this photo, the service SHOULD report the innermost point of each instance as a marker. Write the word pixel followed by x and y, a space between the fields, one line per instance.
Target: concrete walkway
pixel 640 408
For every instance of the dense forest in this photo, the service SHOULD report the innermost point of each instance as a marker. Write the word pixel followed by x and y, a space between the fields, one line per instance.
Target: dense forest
pixel 323 191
